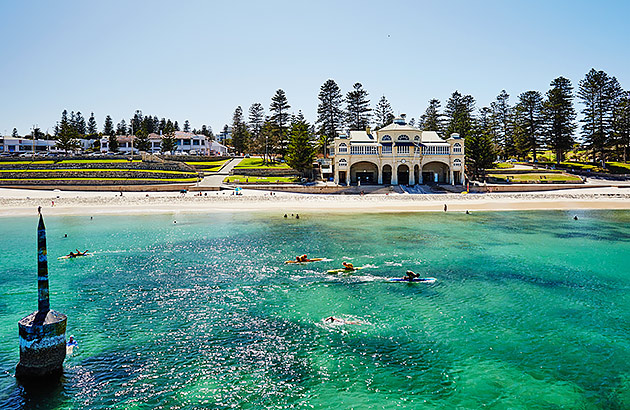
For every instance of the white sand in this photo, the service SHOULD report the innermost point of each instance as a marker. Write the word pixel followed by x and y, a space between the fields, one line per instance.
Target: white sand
pixel 16 202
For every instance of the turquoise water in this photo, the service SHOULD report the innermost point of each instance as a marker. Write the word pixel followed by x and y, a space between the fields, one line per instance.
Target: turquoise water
pixel 530 310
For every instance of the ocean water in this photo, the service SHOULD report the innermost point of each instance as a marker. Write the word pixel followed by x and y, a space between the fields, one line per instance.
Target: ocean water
pixel 530 311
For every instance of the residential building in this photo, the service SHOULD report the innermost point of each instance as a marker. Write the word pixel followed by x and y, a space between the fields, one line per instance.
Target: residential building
pixel 185 142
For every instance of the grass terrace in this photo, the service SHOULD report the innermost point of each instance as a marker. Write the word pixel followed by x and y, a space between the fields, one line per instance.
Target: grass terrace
pixel 245 179
pixel 536 178
pixel 208 166
pixel 257 163
pixel 503 165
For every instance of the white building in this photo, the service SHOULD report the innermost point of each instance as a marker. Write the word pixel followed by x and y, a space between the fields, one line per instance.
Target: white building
pixel 398 154
pixel 185 142
pixel 18 145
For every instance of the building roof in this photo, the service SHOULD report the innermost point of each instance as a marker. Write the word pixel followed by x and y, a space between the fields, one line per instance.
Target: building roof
pixel 431 136
pixel 399 127
pixel 361 136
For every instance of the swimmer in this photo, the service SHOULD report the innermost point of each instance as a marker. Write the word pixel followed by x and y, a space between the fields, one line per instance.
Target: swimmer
pixel 410 276
pixel 297 216
pixel 467 213
pixel 301 258
pixel 285 215
pixel 575 218
pixel 348 265
pixel 72 341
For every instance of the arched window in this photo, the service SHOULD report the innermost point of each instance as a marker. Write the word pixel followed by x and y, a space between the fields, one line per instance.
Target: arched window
pixel 386 138
pixel 343 163
pixel 457 148
pixel 416 138
pixel 403 138
pixel 457 162
pixel 343 147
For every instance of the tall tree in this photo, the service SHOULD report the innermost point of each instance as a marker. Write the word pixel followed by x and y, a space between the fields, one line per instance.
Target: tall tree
pixel 300 152
pixel 329 112
pixel 279 110
pixel 597 92
pixel 112 141
pixel 92 129
pixel 79 124
pixel 558 117
pixel 459 114
pixel 621 125
pixel 168 138
pixel 501 124
pixel 383 113
pixel 176 125
pixel 255 123
pixel 142 142
pixel 240 134
pixel 15 134
pixel 136 122
pixel 186 126
pixel 108 126
pixel 121 128
pixel 432 119
pixel 480 152
pixel 530 120
pixel 358 111
pixel 67 140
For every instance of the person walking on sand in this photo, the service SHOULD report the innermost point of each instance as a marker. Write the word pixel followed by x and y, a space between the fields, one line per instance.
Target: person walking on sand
pixel 445 208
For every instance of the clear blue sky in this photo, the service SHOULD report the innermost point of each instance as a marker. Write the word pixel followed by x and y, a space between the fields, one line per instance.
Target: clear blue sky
pixel 198 60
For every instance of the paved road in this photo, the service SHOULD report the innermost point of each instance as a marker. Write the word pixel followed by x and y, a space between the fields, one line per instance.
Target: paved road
pixel 216 180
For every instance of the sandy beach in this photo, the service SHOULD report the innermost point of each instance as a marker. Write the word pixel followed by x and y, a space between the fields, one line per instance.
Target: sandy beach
pixel 17 202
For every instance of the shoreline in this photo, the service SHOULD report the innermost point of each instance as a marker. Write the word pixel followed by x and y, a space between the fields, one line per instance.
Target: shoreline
pixel 24 203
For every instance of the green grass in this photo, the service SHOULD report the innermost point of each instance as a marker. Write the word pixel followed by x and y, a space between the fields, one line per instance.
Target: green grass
pixel 72 161
pixel 619 167
pixel 550 177
pixel 257 163
pixel 157 171
pixel 208 166
pixel 102 179
pixel 250 179
pixel 503 165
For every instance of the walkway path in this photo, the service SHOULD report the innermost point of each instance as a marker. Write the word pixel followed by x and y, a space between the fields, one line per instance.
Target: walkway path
pixel 216 180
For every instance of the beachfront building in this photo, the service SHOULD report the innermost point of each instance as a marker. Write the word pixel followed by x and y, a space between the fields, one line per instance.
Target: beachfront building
pixel 185 143
pixel 18 145
pixel 397 154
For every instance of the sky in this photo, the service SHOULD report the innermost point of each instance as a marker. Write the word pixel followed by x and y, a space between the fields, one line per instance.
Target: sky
pixel 199 60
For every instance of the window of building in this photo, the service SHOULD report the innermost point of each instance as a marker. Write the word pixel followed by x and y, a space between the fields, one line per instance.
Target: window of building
pixel 195 142
pixel 363 150
pixel 343 147
pixel 403 138
pixel 343 163
pixel 457 148
pixel 457 162
pixel 386 138
pixel 387 149
pixel 416 138
pixel 403 149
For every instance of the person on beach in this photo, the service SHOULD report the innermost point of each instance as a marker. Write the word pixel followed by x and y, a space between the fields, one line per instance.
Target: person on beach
pixel 410 276
pixel 348 265
pixel 445 207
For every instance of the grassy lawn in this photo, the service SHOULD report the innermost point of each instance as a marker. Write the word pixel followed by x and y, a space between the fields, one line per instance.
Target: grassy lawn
pixel 503 165
pixel 157 171
pixel 519 178
pixel 103 179
pixel 208 166
pixel 257 163
pixel 72 161
pixel 251 180
pixel 619 167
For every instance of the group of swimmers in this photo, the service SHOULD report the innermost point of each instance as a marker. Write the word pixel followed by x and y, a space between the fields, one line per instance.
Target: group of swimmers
pixel 297 216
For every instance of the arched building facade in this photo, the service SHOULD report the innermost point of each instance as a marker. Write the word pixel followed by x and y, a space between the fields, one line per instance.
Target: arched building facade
pixel 397 154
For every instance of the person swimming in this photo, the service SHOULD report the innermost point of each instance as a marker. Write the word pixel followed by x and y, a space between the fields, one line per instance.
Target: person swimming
pixel 332 319
pixel 78 253
pixel 72 342
pixel 301 258
pixel 348 265
pixel 410 276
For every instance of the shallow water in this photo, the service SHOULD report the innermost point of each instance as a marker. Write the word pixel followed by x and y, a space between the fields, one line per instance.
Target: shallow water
pixel 530 310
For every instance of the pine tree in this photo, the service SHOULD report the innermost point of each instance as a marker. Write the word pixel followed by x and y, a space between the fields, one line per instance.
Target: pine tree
pixel 300 152
pixel 459 114
pixel 621 125
pixel 161 126
pixel 256 120
pixel 479 149
pixel 168 138
pixel 330 115
pixel 558 117
pixel 136 122
pixel 383 113
pixel 68 135
pixel 92 129
pixel 113 143
pixel 15 134
pixel 176 125
pixel 240 133
pixel 121 128
pixel 597 91
pixel 186 126
pixel 531 121
pixel 108 127
pixel 142 142
pixel 279 109
pixel 147 125
pixel 358 108
pixel 502 123
pixel 79 124
pixel 432 120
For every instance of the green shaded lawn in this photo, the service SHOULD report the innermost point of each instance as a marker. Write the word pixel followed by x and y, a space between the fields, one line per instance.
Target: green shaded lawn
pixel 551 177
pixel 208 166
pixel 257 163
pixel 251 179
pixel 503 165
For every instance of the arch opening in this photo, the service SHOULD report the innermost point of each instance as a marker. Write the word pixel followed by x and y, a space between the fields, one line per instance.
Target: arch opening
pixel 403 174
pixel 365 173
